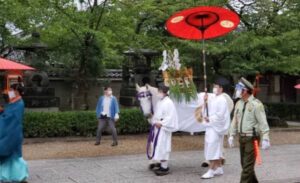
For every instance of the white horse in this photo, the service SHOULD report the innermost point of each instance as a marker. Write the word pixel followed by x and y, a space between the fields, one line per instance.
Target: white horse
pixel 188 113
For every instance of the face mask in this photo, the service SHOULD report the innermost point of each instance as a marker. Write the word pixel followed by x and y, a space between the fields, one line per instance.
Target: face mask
pixel 11 94
pixel 160 95
pixel 238 94
pixel 109 92
pixel 215 90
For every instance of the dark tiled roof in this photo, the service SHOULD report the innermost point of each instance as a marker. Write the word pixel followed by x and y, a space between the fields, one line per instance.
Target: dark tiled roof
pixel 112 73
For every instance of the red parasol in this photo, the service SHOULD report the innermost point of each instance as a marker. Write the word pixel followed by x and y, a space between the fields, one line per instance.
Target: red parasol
pixel 204 22
pixel 297 86
pixel 11 65
pixel 200 23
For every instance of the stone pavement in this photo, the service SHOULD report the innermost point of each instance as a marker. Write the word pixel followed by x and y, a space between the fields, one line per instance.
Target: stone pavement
pixel 281 164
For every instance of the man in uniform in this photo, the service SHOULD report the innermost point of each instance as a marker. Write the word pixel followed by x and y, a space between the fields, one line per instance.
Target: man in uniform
pixel 249 119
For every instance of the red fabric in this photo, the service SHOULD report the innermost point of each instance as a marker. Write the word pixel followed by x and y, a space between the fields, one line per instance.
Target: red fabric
pixel 258 160
pixel 11 65
pixel 297 86
pixel 216 21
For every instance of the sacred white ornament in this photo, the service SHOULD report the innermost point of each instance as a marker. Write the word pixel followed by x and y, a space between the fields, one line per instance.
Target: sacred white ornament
pixel 177 19
pixel 164 64
pixel 226 23
pixel 176 59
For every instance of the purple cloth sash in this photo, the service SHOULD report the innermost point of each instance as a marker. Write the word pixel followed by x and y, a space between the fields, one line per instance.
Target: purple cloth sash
pixel 152 137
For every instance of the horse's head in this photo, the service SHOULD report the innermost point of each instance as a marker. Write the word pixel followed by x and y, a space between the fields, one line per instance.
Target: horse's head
pixel 145 97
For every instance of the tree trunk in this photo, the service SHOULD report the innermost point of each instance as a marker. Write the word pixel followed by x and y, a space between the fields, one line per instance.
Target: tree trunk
pixel 82 78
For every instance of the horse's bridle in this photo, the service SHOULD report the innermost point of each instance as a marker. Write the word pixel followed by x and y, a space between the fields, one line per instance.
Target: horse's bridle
pixel 145 94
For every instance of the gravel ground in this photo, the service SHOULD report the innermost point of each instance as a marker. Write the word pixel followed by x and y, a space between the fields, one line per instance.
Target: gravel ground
pixel 57 148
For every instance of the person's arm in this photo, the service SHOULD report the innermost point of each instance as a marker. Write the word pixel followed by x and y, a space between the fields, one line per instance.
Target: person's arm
pixel 233 126
pixel 219 114
pixel 234 122
pixel 99 106
pixel 170 119
pixel 117 105
pixel 117 109
pixel 262 121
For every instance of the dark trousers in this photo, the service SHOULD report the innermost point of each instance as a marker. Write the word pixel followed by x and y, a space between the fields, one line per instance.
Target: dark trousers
pixel 247 160
pixel 102 124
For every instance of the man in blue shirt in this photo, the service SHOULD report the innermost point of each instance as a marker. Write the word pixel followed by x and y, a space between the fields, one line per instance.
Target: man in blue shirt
pixel 107 111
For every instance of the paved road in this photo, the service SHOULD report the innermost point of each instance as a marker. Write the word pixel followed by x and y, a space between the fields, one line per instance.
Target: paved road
pixel 281 164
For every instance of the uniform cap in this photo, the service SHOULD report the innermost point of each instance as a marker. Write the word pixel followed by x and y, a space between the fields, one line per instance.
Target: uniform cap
pixel 246 83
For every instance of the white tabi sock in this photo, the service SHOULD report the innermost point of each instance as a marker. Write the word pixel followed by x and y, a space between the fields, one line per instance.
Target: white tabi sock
pixel 164 164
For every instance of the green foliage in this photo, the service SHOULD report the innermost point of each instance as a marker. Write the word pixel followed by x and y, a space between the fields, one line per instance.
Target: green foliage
pixel 182 87
pixel 132 121
pixel 175 92
pixel 62 124
pixel 183 93
pixel 285 111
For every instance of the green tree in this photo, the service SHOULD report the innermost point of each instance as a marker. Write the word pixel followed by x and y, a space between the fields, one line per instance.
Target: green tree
pixel 91 34
pixel 268 39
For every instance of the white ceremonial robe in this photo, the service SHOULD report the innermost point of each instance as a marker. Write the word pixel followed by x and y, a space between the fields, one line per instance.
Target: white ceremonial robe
pixel 186 113
pixel 166 114
pixel 219 121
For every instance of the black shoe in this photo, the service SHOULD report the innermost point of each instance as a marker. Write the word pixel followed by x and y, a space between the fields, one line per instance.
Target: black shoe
pixel 162 171
pixel 114 144
pixel 153 166
pixel 97 143
pixel 204 164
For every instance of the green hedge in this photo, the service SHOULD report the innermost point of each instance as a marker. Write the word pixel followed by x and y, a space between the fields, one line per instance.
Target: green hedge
pixel 285 111
pixel 132 121
pixel 79 123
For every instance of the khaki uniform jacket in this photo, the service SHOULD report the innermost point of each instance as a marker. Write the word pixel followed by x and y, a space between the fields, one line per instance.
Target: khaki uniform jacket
pixel 254 116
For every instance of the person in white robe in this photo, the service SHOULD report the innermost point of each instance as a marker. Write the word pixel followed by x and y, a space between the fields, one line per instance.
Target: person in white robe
pixel 165 121
pixel 217 122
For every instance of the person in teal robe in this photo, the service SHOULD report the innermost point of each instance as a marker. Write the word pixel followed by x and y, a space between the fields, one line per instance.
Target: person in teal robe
pixel 13 167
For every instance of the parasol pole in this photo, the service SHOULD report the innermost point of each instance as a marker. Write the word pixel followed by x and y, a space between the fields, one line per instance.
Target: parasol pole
pixel 204 69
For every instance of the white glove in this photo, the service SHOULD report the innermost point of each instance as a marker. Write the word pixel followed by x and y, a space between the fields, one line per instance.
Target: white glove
pixel 231 142
pixel 117 117
pixel 265 145
pixel 206 124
